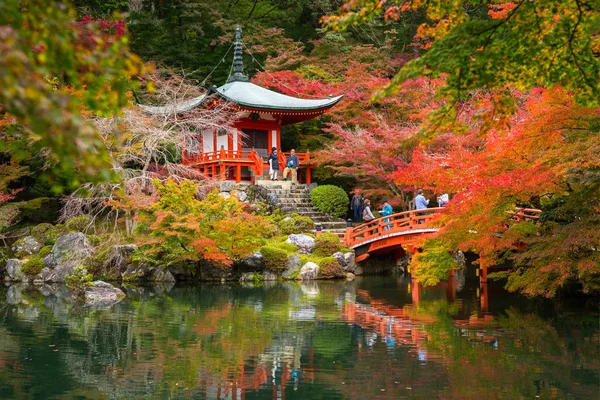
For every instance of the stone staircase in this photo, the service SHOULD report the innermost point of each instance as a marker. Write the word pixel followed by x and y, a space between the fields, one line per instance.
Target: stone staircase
pixel 296 199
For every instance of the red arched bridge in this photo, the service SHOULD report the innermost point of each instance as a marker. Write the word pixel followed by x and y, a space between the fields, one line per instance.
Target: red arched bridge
pixel 404 231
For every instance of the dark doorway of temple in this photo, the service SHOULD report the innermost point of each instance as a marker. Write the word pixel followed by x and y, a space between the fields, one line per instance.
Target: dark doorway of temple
pixel 256 139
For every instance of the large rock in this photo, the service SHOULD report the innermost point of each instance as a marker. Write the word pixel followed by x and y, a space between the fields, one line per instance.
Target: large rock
pixel 69 252
pixel 309 271
pixel 13 270
pixel 26 246
pixel 226 186
pixel 119 258
pixel 103 294
pixel 137 273
pixel 350 262
pixel 269 276
pixel 162 275
pixel 252 263
pixel 242 196
pixel 347 261
pixel 294 264
pixel 305 243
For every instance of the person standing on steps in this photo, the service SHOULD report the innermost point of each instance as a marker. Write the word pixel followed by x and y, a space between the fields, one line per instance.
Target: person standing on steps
pixel 273 164
pixel 291 166
pixel 357 204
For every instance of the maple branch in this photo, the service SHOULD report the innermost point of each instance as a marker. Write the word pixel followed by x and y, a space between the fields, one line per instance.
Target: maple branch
pixel 571 38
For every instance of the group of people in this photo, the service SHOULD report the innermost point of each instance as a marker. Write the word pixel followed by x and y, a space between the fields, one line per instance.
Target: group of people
pixel 291 166
pixel 361 208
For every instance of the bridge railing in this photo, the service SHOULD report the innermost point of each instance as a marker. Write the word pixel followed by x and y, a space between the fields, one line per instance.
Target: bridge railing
pixel 391 224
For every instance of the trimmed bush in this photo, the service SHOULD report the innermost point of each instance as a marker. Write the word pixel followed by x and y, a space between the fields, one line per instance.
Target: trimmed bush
pixel 275 259
pixel 44 251
pixel 295 223
pixel 78 224
pixel 329 267
pixel 326 244
pixel 330 199
pixel 289 248
pixel 33 266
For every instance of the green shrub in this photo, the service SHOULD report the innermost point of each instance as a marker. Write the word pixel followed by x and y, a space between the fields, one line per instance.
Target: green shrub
pixel 33 266
pixel 329 267
pixel 330 199
pixel 326 244
pixel 275 259
pixel 44 251
pixel 295 223
pixel 79 281
pixel 289 248
pixel 78 224
pixel 43 232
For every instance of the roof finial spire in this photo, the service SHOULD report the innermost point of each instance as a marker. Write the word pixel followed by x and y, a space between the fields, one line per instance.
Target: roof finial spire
pixel 238 63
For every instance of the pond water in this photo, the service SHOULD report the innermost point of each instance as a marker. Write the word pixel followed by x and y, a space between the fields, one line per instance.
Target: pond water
pixel 373 338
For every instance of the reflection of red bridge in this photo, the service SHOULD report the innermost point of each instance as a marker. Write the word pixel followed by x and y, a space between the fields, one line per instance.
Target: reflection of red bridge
pixel 404 231
pixel 406 324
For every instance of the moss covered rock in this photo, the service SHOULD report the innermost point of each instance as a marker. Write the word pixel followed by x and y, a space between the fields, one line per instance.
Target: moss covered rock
pixel 327 244
pixel 78 224
pixel 295 223
pixel 329 268
pixel 26 246
pixel 33 266
pixel 274 259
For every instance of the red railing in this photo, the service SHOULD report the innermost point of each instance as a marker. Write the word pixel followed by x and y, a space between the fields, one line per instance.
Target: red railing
pixel 303 159
pixel 249 157
pixel 390 225
pixel 412 221
pixel 525 214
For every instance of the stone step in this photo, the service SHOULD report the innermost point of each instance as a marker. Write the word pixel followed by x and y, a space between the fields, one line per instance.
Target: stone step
pixel 296 202
pixel 297 209
pixel 293 196
pixel 333 225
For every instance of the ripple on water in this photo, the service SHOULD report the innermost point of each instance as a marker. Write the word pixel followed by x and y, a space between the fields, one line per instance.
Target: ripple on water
pixel 372 338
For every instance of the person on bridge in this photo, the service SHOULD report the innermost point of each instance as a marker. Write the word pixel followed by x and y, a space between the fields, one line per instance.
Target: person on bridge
pixel 367 214
pixel 421 203
pixel 273 164
pixel 291 166
pixel 357 204
pixel 443 200
pixel 385 211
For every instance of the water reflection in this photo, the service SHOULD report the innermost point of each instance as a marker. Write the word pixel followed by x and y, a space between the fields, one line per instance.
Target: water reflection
pixel 372 338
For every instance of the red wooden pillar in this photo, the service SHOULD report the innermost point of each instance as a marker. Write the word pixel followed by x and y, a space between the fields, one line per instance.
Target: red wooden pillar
pixel 222 172
pixel 415 291
pixel 484 297
pixel 308 181
pixel 238 173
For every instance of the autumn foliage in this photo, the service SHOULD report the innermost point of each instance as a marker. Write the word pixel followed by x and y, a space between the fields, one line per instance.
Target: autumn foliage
pixel 175 227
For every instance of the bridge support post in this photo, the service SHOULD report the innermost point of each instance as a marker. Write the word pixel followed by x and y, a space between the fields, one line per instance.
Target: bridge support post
pixel 348 234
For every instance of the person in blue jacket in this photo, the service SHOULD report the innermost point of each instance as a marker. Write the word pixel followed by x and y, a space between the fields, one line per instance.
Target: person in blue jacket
pixel 385 211
pixel 292 167
pixel 421 203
